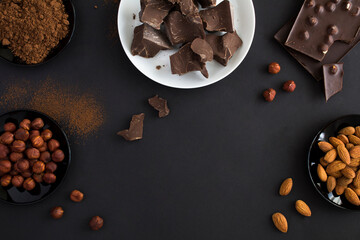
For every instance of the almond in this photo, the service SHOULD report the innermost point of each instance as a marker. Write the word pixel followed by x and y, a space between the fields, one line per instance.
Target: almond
pixel 354 139
pixel 352 197
pixel 325 146
pixel 331 183
pixel 302 208
pixel 330 156
pixel 286 187
pixel 343 153
pixel 355 152
pixel 348 173
pixel 343 138
pixel 357 131
pixel 347 131
pixel 335 167
pixel 349 146
pixel 356 181
pixel 339 190
pixel 321 173
pixel 323 163
pixel 356 190
pixel 280 222
pixel 337 174
pixel 335 142
pixel 354 162
pixel 344 181
pixel 355 169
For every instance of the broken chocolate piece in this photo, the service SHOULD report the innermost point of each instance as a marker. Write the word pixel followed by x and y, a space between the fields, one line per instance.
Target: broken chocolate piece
pixel 135 131
pixel 153 12
pixel 148 42
pixel 186 6
pixel 185 60
pixel 318 26
pixel 183 29
pixel 224 46
pixel 335 54
pixel 160 105
pixel 207 3
pixel 219 18
pixel 333 79
pixel 203 49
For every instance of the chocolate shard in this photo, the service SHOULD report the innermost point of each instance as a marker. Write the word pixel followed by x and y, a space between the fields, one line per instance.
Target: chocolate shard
pixel 153 12
pixel 203 49
pixel 322 22
pixel 183 29
pixel 135 132
pixel 186 6
pixel 160 105
pixel 333 79
pixel 185 60
pixel 147 42
pixel 207 3
pixel 224 46
pixel 219 18
pixel 337 52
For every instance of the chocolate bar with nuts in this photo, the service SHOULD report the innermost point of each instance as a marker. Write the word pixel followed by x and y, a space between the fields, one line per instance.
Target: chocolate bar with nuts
pixel 333 79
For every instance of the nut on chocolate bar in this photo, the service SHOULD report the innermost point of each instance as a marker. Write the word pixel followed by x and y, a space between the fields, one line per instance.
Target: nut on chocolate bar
pixel 160 105
pixel 153 12
pixel 219 18
pixel 148 41
pixel 135 131
pixel 333 79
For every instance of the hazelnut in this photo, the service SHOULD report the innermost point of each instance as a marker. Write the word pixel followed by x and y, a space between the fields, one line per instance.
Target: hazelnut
pixel 58 156
pixel 32 153
pixel 269 94
pixel 37 141
pixel 49 178
pixel 14 156
pixel 4 151
pixel 5 180
pixel 9 127
pixel 289 86
pixel 17 181
pixel 7 138
pixel 76 196
pixel 53 144
pixel 26 174
pixel 43 148
pixel 5 166
pixel 50 167
pixel 57 212
pixel 96 223
pixel 18 146
pixel 38 167
pixel 38 177
pixel 46 134
pixel 23 165
pixel 34 133
pixel 37 123
pixel 29 184
pixel 22 134
pixel 274 68
pixel 25 124
pixel 45 157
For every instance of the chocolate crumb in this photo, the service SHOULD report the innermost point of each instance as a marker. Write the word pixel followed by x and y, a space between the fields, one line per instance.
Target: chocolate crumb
pixel 159 104
pixel 158 67
pixel 134 16
pixel 135 131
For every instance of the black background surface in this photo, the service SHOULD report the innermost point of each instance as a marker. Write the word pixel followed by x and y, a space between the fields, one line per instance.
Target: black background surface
pixel 212 168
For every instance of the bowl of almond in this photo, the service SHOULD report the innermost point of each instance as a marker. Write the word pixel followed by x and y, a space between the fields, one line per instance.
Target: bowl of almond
pixel 334 162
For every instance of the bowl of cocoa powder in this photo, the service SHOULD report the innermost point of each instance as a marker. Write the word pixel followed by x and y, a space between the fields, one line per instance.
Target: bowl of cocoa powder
pixel 33 32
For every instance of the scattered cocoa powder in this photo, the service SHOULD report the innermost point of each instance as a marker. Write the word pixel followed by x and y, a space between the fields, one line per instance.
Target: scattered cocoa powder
pixel 31 28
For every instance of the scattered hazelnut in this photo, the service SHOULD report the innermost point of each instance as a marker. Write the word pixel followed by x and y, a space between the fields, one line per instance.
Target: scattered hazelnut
pixel 45 157
pixel 37 123
pixel 58 156
pixel 29 184
pixel 14 156
pixel 76 196
pixel 32 153
pixel 7 138
pixel 37 141
pixel 49 178
pixel 53 144
pixel 5 166
pixel 46 134
pixel 34 133
pixel 57 212
pixel 38 167
pixel 50 167
pixel 4 151
pixel 9 127
pixel 269 94
pixel 5 180
pixel 18 146
pixel 26 174
pixel 289 86
pixel 22 134
pixel 38 177
pixel 25 124
pixel 274 68
pixel 43 148
pixel 23 165
pixel 96 223
pixel 17 181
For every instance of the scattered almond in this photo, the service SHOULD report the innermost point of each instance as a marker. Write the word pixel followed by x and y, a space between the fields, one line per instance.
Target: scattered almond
pixel 354 139
pixel 335 166
pixel 355 152
pixel 352 197
pixel 348 172
pixel 280 222
pixel 331 155
pixel 325 146
pixel 286 187
pixel 321 173
pixel 343 154
pixel 343 138
pixel 347 130
pixel 302 208
pixel 335 141
pixel 331 183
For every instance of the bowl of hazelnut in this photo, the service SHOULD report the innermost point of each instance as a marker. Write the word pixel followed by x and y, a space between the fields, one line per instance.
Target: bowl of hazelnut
pixel 34 156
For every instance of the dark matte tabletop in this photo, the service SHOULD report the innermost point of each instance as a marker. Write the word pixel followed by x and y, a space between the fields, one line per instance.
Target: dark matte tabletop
pixel 212 168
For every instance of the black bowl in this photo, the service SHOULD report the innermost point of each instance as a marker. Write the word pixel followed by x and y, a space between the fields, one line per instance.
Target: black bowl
pixel 315 154
pixel 6 53
pixel 19 196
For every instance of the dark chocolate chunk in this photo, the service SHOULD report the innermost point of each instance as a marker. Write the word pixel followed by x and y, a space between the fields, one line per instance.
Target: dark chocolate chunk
pixel 135 132
pixel 203 49
pixel 224 46
pixel 186 6
pixel 207 3
pixel 333 79
pixel 160 105
pixel 183 29
pixel 185 60
pixel 338 22
pixel 148 42
pixel 153 12
pixel 219 18
pixel 335 54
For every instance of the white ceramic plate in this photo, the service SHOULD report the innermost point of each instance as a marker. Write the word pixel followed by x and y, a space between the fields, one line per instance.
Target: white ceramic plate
pixel 244 24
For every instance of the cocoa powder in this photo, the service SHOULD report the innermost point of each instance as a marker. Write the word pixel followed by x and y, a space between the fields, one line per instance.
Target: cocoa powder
pixel 32 28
